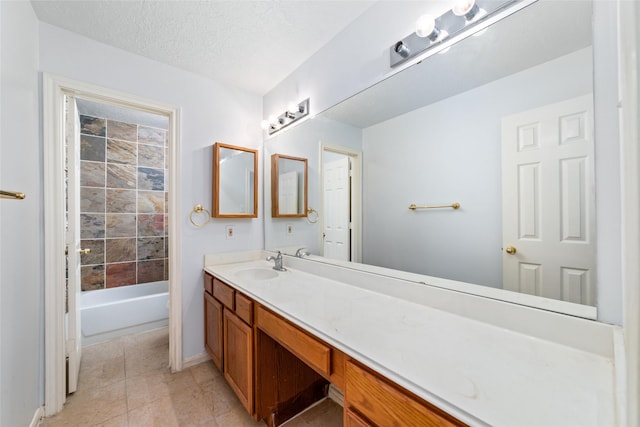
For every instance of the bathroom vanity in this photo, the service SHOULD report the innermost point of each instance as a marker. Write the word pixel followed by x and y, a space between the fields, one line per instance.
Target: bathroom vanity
pixel 401 352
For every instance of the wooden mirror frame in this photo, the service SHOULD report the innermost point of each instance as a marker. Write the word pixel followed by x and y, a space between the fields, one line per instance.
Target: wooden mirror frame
pixel 275 195
pixel 216 182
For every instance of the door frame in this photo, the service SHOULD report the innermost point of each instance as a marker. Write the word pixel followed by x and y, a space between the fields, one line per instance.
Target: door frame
pixel 356 196
pixel 54 90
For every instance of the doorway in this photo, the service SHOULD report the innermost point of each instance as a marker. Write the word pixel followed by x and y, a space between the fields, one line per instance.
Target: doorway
pixel 341 201
pixel 60 130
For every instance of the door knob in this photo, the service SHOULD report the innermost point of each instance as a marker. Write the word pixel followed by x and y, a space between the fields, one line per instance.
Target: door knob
pixel 511 250
pixel 85 251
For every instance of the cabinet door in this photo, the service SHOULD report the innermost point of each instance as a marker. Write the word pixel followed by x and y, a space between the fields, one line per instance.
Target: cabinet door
pixel 213 334
pixel 351 419
pixel 238 358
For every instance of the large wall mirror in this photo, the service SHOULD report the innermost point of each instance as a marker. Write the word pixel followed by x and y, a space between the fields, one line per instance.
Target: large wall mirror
pixel 503 123
pixel 235 181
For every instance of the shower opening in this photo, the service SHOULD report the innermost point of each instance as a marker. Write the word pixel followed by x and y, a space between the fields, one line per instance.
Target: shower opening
pixel 123 207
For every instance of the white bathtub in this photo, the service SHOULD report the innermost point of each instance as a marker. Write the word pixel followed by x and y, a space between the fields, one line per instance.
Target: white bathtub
pixel 110 313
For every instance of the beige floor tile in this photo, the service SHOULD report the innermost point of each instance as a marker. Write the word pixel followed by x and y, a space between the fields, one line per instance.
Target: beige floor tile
pixel 98 353
pixel 238 417
pixel 144 389
pixel 100 374
pixel 141 363
pixel 126 382
pixel 119 421
pixel 220 396
pixel 159 413
pixel 147 342
pixel 93 406
pixel 204 372
pixel 325 414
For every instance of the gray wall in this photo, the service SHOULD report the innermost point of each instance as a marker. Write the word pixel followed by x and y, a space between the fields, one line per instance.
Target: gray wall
pixel 21 221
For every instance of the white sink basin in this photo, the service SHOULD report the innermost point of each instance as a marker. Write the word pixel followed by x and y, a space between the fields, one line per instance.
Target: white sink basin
pixel 256 274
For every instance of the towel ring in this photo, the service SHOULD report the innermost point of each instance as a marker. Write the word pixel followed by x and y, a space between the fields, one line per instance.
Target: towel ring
pixel 311 211
pixel 198 209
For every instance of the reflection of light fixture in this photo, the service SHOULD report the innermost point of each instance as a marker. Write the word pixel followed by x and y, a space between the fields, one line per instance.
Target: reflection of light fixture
pixel 294 112
pixel 431 30
pixel 426 27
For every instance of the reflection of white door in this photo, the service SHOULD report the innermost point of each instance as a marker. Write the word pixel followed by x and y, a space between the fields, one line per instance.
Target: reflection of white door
pixel 337 233
pixel 73 338
pixel 288 193
pixel 548 203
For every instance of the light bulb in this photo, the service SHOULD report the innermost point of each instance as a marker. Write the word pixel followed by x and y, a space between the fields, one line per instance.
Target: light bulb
pixel 264 124
pixel 293 108
pixel 426 27
pixel 467 8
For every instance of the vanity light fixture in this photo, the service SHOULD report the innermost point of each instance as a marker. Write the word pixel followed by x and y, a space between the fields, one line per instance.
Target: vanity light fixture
pixel 294 112
pixel 432 31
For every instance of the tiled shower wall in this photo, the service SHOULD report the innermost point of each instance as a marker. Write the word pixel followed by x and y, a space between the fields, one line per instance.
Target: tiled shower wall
pixel 123 203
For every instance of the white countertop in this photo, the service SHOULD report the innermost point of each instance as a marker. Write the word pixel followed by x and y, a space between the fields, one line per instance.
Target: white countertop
pixel 477 372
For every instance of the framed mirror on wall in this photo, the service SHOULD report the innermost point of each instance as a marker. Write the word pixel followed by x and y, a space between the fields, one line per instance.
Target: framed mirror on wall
pixel 235 181
pixel 438 132
pixel 288 186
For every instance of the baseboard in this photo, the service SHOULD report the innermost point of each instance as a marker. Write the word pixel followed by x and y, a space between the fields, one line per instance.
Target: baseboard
pixel 35 421
pixel 336 395
pixel 195 360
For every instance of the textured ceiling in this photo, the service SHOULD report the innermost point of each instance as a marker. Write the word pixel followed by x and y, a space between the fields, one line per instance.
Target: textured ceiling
pixel 250 44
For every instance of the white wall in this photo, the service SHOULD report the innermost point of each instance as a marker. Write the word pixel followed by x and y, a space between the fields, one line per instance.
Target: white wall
pixel 210 112
pixel 449 152
pixel 303 141
pixel 359 57
pixel 21 221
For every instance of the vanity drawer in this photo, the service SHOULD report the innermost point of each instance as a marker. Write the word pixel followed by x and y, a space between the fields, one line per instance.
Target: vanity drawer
pixel 223 293
pixel 208 283
pixel 311 351
pixel 244 308
pixel 384 403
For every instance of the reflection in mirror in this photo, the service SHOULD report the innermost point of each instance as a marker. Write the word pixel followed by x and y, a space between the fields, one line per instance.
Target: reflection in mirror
pixel 503 124
pixel 235 181
pixel 288 186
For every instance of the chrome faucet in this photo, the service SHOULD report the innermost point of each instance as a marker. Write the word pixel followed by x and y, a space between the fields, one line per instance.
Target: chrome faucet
pixel 278 261
pixel 301 252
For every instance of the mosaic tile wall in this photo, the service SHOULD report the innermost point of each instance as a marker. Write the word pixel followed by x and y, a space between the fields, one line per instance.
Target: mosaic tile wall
pixel 123 203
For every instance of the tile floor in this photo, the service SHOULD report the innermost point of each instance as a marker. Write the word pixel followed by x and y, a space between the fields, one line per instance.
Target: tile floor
pixel 126 383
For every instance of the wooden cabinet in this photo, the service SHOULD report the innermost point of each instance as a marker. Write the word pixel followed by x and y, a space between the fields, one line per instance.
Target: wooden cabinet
pixel 371 399
pixel 213 334
pixel 228 336
pixel 238 358
pixel 277 368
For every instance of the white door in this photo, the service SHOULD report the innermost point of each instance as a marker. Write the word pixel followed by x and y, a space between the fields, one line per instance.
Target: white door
pixel 337 210
pixel 548 206
pixel 73 345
